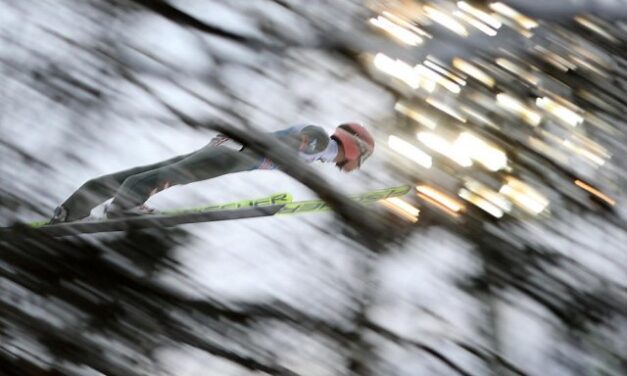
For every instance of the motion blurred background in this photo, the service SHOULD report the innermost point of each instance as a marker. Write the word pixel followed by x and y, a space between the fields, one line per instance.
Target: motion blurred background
pixel 506 118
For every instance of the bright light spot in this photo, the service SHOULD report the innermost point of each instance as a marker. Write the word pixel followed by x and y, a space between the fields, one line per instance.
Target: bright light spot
pixel 417 116
pixel 521 19
pixel 415 77
pixel 431 64
pixel 402 208
pixel 479 117
pixel 445 20
pixel 442 146
pixel 483 16
pixel 432 76
pixel 409 25
pixel 481 203
pixel 410 151
pixel 488 194
pixel 442 200
pixel 509 103
pixel 595 192
pixel 555 59
pixel 512 104
pixel 595 28
pixel 489 156
pixel 524 196
pixel 446 109
pixel 397 69
pixel 399 29
pixel 476 23
pixel 473 71
pixel 508 65
pixel 517 70
pixel 569 116
pixel 583 63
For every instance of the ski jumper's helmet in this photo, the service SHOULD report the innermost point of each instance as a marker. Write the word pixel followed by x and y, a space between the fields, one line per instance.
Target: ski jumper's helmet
pixel 356 141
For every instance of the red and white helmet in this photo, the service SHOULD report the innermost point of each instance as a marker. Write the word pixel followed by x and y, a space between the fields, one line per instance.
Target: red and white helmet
pixel 356 141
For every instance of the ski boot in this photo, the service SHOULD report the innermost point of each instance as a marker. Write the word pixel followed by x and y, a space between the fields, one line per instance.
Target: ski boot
pixel 59 215
pixel 113 211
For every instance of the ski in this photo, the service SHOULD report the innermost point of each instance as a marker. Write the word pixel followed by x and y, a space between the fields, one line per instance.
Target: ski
pixel 275 199
pixel 277 204
pixel 146 221
pixel 303 207
pixel 366 198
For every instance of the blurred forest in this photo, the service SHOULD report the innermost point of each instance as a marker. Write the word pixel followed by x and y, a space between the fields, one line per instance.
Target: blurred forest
pixel 89 87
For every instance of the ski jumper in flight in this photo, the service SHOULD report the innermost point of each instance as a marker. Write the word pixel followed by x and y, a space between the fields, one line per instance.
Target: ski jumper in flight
pixel 349 146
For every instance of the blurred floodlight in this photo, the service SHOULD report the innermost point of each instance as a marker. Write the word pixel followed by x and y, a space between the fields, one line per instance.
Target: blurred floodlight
pixel 441 200
pixel 509 12
pixel 473 71
pixel 510 66
pixel 589 24
pixel 479 118
pixel 445 20
pixel 488 194
pixel 402 208
pixel 586 65
pixel 419 76
pixel 517 70
pixel 397 69
pixel 512 104
pixel 410 151
pixel 397 28
pixel 565 114
pixel 556 60
pixel 415 115
pixel 590 189
pixel 483 16
pixel 481 203
pixel 492 158
pixel 444 147
pixel 524 196
pixel 436 65
pixel 446 109
pixel 476 23
pixel 431 75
